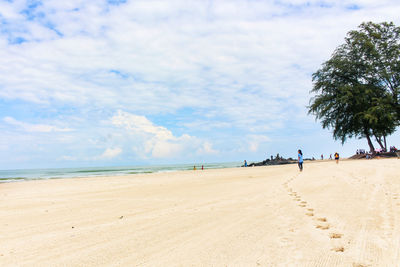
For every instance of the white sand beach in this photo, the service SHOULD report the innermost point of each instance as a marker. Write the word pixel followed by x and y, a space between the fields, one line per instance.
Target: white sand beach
pixel 328 215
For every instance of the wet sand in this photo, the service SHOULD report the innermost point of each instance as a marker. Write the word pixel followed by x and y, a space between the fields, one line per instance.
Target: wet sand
pixel 328 215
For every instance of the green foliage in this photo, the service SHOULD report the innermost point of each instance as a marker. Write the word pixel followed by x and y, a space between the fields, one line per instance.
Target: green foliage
pixel 357 89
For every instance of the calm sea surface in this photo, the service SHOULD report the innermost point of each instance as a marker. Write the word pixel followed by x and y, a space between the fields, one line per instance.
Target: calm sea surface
pixel 37 174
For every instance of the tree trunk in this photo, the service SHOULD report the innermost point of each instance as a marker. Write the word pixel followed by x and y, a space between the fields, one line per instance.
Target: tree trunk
pixel 384 140
pixel 379 140
pixel 371 146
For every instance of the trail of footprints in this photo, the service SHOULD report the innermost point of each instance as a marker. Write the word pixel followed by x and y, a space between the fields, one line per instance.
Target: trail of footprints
pixel 321 222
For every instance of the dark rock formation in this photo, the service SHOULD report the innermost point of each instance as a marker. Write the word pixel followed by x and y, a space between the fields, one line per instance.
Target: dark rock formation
pixel 277 161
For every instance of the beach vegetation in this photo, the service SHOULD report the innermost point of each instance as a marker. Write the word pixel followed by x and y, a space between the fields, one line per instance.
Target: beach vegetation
pixel 356 91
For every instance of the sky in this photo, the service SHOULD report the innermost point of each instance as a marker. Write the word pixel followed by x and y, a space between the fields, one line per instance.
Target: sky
pixel 131 82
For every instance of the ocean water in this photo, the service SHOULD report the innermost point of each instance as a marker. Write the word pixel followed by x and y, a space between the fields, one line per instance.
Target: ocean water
pixel 56 173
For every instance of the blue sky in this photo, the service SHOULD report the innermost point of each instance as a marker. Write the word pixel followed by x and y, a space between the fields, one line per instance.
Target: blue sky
pixel 91 83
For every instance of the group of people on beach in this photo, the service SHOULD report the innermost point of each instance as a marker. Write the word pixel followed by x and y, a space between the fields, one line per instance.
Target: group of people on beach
pixel 300 158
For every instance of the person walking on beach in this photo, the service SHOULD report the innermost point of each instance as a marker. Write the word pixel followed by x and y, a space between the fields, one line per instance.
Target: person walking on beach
pixel 245 163
pixel 300 159
pixel 337 157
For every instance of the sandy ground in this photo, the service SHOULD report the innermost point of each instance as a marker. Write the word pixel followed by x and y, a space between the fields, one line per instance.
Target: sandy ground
pixel 328 215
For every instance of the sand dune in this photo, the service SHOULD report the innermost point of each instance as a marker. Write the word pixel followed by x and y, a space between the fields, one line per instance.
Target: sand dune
pixel 328 215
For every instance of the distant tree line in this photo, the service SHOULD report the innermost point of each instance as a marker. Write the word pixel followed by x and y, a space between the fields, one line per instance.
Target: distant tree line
pixel 356 92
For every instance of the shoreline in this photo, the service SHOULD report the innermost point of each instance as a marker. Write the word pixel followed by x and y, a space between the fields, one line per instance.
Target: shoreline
pixel 23 179
pixel 23 175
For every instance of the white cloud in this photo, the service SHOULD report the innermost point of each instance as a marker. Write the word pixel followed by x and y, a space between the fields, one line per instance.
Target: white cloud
pixel 140 125
pixel 254 141
pixel 29 127
pixel 150 140
pixel 207 148
pixel 179 54
pixel 110 153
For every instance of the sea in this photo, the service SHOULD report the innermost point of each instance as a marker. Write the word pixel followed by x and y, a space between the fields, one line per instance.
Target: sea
pixel 58 173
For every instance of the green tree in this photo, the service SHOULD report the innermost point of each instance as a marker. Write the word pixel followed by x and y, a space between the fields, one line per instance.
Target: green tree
pixel 357 89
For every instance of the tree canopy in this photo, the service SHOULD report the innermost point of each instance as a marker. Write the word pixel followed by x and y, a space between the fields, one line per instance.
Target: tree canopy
pixel 357 89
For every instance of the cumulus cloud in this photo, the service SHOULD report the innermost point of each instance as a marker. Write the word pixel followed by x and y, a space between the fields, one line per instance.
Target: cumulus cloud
pixel 155 141
pixel 140 125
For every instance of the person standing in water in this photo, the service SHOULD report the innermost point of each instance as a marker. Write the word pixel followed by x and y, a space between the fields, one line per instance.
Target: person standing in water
pixel 300 159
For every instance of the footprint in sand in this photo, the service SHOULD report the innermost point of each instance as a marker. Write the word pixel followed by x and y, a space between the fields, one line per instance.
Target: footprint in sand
pixel 303 202
pixel 323 219
pixel 310 214
pixel 338 249
pixel 302 205
pixel 322 226
pixel 310 209
pixel 335 235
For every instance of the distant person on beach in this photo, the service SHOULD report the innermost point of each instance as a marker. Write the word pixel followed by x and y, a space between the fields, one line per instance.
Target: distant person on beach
pixel 245 163
pixel 202 167
pixel 194 167
pixel 337 157
pixel 300 159
pixel 330 156
pixel 322 156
